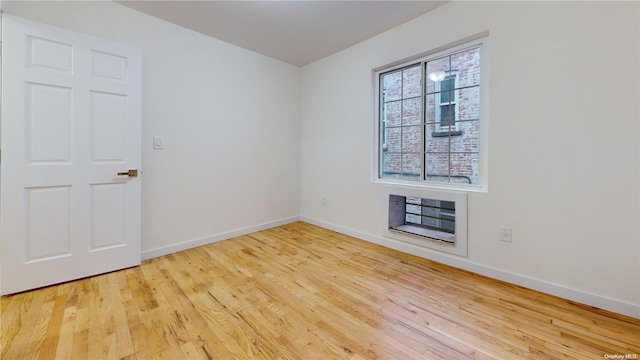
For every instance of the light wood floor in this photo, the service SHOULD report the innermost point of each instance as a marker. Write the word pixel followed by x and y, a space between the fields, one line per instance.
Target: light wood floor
pixel 302 292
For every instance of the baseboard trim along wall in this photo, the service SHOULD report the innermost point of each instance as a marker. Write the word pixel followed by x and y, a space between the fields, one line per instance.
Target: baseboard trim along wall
pixel 190 244
pixel 579 296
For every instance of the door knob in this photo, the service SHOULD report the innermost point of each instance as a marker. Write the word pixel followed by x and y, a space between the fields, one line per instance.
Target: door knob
pixel 130 173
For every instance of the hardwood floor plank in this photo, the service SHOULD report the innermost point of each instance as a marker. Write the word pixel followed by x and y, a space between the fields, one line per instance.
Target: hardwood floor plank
pixel 65 343
pixel 15 325
pixel 11 322
pixel 79 348
pixel 146 342
pixel 123 336
pixel 302 292
pixel 94 325
pixel 105 314
pixel 38 332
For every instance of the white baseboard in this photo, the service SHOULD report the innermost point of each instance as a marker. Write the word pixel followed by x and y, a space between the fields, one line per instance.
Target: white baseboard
pixel 579 296
pixel 170 249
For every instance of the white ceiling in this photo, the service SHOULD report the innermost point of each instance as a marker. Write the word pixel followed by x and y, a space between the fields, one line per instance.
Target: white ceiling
pixel 297 32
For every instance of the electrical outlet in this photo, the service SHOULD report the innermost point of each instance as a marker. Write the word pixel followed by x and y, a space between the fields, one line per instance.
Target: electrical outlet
pixel 504 233
pixel 324 200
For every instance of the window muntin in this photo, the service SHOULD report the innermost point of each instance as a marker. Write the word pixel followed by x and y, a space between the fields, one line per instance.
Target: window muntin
pixel 433 136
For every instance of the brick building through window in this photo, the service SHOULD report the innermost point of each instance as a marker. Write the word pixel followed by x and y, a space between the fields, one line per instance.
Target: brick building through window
pixel 430 119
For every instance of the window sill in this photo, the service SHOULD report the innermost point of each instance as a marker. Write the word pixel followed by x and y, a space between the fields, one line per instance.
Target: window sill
pixel 446 133
pixel 429 185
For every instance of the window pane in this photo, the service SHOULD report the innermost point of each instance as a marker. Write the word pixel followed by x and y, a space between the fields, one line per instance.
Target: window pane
pixel 446 89
pixel 392 112
pixel 437 167
pixel 438 144
pixel 391 165
pixel 467 63
pixel 464 168
pixel 430 111
pixel 411 80
pixel 412 139
pixel 412 111
pixel 447 115
pixel 436 71
pixel 469 103
pixel 391 85
pixel 393 140
pixel 411 166
pixel 469 139
pixel 429 130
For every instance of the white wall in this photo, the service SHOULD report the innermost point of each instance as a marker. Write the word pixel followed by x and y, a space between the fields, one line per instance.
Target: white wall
pixel 229 118
pixel 564 160
pixel 563 143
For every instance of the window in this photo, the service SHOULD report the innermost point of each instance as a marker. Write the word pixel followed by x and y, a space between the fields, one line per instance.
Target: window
pixel 446 99
pixel 401 120
pixel 429 119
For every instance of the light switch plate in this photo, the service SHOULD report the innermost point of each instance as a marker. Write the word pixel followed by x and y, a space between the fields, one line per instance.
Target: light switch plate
pixel 157 142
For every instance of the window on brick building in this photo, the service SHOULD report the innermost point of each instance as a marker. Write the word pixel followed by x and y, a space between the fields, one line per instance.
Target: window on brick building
pixel 429 119
pixel 446 97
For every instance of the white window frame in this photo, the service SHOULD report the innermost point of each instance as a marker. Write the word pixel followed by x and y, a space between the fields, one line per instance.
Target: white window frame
pixel 482 41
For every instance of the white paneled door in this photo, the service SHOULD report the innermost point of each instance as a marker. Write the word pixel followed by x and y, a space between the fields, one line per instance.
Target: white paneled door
pixel 69 206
